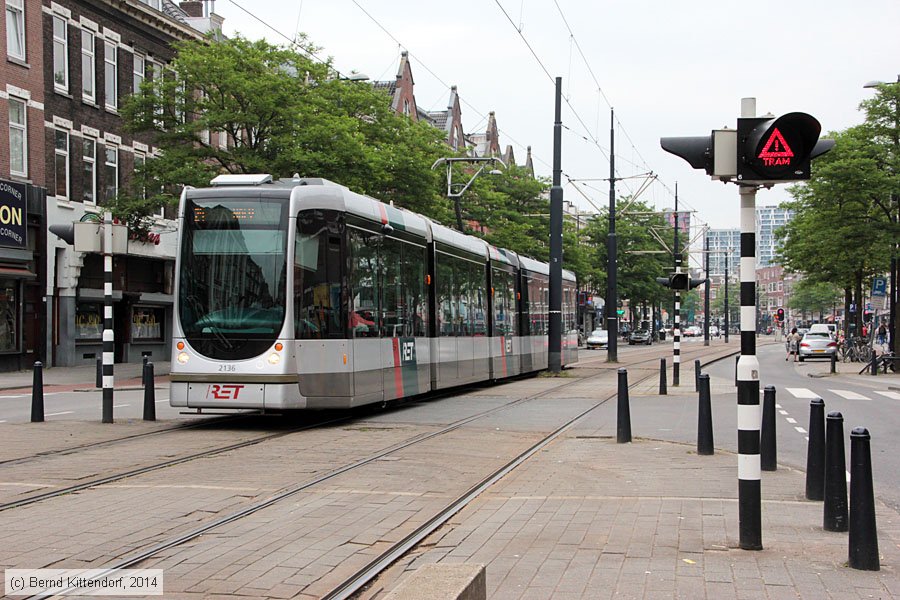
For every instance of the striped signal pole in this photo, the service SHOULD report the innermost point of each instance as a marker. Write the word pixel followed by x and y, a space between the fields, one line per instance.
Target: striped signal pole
pixel 108 335
pixel 676 329
pixel 749 414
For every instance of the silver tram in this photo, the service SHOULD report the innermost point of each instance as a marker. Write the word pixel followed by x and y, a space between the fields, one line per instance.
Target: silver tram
pixel 301 294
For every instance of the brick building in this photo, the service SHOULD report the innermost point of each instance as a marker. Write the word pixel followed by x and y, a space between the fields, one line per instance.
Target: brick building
pixel 69 67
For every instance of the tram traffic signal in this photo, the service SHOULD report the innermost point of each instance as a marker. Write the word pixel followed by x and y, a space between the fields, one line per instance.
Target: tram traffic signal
pixel 763 150
pixel 778 149
pixel 679 281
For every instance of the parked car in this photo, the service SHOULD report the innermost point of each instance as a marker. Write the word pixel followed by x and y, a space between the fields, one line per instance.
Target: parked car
pixel 639 336
pixel 713 331
pixel 829 328
pixel 599 338
pixel 817 344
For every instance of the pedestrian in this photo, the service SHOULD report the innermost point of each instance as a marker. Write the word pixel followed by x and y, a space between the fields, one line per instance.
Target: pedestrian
pixel 793 344
pixel 881 335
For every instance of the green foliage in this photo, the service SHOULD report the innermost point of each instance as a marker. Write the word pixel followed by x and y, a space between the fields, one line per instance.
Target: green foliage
pixel 283 114
pixel 810 296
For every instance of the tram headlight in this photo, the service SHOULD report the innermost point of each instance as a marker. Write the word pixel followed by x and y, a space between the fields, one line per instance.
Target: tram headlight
pixel 183 358
pixel 274 358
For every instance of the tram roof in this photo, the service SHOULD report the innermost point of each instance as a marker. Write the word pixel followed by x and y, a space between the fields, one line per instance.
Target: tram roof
pixel 469 243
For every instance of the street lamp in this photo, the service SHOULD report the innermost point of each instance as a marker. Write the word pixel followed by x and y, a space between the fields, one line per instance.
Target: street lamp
pixel 456 190
pixel 895 197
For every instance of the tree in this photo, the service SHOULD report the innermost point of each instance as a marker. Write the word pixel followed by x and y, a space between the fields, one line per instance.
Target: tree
pixel 283 113
pixel 810 296
pixel 840 233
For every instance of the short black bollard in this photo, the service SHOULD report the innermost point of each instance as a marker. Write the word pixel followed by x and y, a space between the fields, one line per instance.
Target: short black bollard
pixel 835 474
pixel 736 360
pixel 37 394
pixel 768 450
pixel 149 393
pixel 863 536
pixel 704 420
pixel 815 451
pixel 874 365
pixel 696 375
pixel 834 363
pixel 623 420
pixel 98 382
pixel 662 377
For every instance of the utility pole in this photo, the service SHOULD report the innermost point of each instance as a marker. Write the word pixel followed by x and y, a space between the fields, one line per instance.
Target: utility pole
pixel 726 294
pixel 554 351
pixel 612 322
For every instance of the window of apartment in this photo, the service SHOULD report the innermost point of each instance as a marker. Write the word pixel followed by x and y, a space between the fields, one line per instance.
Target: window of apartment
pixel 110 74
pixel 111 173
pixel 89 171
pixel 157 4
pixel 61 163
pixel 88 67
pixel 15 29
pixel 158 108
pixel 18 138
pixel 140 66
pixel 60 54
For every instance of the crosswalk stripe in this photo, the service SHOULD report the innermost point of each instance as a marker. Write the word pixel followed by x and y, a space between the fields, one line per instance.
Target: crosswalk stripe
pixel 65 412
pixel 849 394
pixel 802 393
pixel 800 429
pixel 791 421
pixel 891 395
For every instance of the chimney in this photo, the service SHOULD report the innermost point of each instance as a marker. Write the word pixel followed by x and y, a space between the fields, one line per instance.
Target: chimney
pixel 193 8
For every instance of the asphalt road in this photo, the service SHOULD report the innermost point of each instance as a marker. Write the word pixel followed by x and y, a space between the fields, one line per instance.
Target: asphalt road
pixel 864 401
pixel 83 404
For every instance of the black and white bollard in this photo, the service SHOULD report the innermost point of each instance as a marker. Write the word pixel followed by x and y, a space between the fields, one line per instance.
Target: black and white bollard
pixel 835 474
pixel 704 419
pixel 863 535
pixel 768 450
pixel 815 451
pixel 37 394
pixel 662 377
pixel 623 415
pixel 149 393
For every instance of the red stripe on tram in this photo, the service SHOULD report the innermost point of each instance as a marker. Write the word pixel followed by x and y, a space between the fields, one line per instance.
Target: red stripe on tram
pixel 398 367
pixel 383 211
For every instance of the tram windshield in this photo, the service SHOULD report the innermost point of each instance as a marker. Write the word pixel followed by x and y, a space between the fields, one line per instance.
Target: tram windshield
pixel 232 281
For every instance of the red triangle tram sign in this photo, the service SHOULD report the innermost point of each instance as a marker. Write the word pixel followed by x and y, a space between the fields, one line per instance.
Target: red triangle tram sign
pixel 776 147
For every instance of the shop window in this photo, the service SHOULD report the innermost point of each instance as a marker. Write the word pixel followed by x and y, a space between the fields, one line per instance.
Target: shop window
pixel 88 322
pixel 147 323
pixel 9 315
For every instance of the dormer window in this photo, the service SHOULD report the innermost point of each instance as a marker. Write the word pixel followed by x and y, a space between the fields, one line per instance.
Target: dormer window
pixel 157 4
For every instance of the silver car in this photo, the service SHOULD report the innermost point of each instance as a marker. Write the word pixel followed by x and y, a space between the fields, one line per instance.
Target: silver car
pixel 817 345
pixel 599 338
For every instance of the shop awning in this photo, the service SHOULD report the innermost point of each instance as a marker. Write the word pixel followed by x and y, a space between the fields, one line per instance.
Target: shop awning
pixel 17 273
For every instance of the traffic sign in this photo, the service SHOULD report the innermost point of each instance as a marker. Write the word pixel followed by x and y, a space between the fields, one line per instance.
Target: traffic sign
pixel 879 286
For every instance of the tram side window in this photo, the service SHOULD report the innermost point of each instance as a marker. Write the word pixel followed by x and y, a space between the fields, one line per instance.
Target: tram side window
pixel 447 301
pixel 394 317
pixel 478 299
pixel 504 303
pixel 463 285
pixel 413 277
pixel 364 289
pixel 318 303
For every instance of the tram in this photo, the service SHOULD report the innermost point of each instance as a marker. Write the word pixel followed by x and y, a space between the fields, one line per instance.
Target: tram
pixel 301 294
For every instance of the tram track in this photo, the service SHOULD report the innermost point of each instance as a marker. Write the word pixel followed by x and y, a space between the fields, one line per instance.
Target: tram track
pixel 210 452
pixel 365 575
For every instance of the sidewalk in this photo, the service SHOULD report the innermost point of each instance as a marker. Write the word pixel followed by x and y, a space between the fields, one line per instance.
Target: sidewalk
pixel 126 375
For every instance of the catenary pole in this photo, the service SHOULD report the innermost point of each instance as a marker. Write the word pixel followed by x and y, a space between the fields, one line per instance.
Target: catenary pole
pixel 554 359
pixel 612 303
pixel 706 291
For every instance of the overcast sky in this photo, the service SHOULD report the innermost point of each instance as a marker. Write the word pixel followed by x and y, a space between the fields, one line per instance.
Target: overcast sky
pixel 668 68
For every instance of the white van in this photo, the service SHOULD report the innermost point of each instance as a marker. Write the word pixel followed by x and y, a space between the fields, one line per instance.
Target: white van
pixel 829 328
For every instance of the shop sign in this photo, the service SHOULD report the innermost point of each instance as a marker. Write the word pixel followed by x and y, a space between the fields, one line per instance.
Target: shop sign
pixel 13 224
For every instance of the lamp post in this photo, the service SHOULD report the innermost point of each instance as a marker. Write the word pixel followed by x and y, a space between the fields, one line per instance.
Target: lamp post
pixel 454 190
pixel 895 199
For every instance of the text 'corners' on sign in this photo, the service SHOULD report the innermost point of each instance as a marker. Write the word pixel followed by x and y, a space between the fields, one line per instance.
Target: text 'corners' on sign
pixel 12 214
